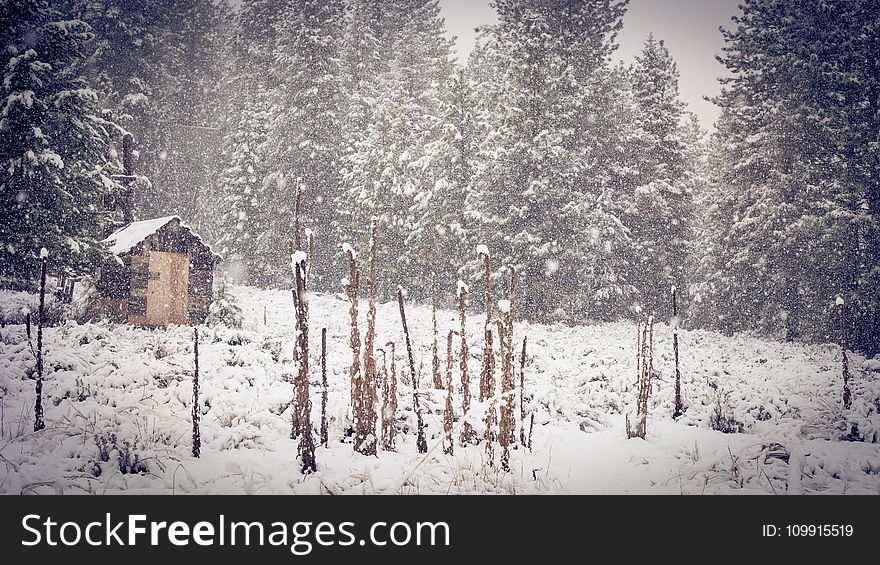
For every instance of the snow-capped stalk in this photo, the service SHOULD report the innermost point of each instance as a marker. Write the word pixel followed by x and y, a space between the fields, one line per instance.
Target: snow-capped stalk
pixel 324 434
pixel 300 409
pixel 294 246
pixel 847 395
pixel 389 401
pixel 303 404
pixel 197 434
pixel 449 441
pixel 678 408
pixel 291 249
pixel 39 424
pixel 522 406
pixel 487 373
pixel 354 340
pixel 365 436
pixel 644 385
pixel 265 317
pixel 435 356
pixel 421 444
pixel 487 376
pixel 467 431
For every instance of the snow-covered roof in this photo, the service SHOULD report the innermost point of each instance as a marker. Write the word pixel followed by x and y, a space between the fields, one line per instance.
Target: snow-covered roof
pixel 125 239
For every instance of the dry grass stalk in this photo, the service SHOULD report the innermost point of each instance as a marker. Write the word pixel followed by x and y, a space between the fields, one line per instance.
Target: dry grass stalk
pixel 644 384
pixel 508 319
pixel 300 309
pixel 505 421
pixel 324 388
pixel 389 401
pixel 489 369
pixel 638 351
pixel 487 376
pixel 39 424
pixel 197 435
pixel 310 242
pixel 297 215
pixel 467 431
pixel 291 249
pixel 522 406
pixel 354 340
pixel 677 411
pixel 303 405
pixel 421 443
pixel 531 429
pixel 847 394
pixel 449 441
pixel 435 356
pixel 365 428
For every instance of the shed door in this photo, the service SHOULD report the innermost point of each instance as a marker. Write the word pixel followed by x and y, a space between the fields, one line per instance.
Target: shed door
pixel 167 296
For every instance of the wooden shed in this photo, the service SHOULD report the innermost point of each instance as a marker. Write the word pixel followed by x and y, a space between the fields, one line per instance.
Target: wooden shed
pixel 162 274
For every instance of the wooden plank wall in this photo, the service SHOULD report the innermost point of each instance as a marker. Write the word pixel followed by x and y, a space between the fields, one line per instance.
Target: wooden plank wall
pixel 124 288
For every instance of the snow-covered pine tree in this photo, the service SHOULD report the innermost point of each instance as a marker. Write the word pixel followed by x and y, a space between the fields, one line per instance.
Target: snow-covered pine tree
pixel 155 66
pixel 308 106
pixel 54 145
pixel 241 191
pixel 797 208
pixel 182 173
pixel 393 167
pixel 439 220
pixel 363 46
pixel 533 182
pixel 126 64
pixel 607 251
pixel 660 216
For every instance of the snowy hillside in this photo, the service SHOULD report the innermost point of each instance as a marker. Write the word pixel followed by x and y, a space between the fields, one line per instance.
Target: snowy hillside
pixel 117 409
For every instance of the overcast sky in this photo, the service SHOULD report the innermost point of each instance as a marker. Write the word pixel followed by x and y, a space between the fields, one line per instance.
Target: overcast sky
pixel 688 27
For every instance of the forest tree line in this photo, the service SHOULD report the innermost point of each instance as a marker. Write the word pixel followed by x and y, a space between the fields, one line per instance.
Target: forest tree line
pixel 590 177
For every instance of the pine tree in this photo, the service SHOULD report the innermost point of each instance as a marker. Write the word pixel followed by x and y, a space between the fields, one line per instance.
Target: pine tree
pixel 183 173
pixel 242 189
pixel 796 208
pixel 127 64
pixel 155 64
pixel 533 184
pixel 55 145
pixel 305 138
pixel 395 164
pixel 660 217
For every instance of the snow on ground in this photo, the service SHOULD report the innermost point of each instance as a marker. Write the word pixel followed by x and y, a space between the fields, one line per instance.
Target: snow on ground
pixel 117 408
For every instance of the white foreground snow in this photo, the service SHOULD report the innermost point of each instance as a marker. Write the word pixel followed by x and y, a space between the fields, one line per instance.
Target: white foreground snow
pixel 123 394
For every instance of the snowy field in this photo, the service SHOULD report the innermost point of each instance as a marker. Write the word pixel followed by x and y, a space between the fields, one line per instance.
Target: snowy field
pixel 117 408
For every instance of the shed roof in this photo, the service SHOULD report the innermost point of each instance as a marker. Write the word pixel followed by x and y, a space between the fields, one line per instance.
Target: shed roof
pixel 125 239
